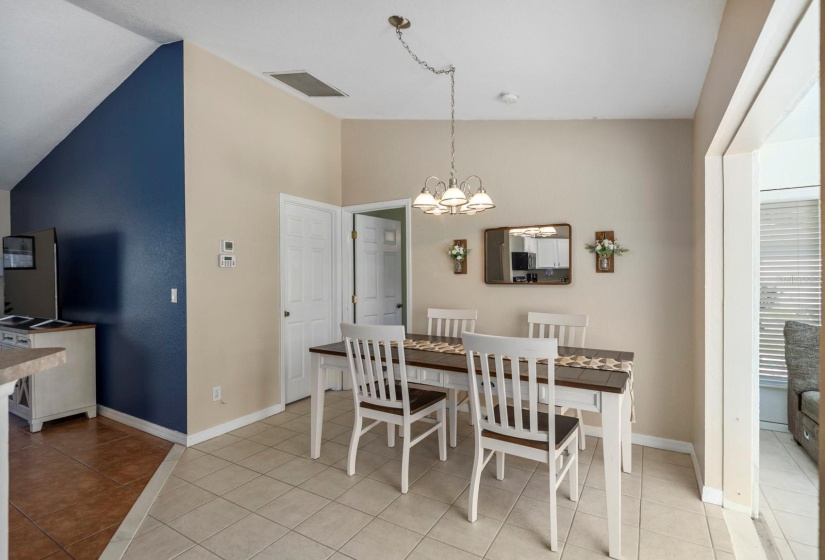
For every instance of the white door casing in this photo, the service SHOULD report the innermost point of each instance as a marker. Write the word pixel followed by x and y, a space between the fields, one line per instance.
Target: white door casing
pixel 309 266
pixel 377 271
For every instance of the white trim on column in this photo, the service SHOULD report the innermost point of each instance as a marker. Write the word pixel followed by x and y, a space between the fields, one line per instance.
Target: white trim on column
pixel 142 425
pixel 226 427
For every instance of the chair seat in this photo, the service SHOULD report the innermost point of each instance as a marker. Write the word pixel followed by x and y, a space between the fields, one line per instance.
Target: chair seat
pixel 419 400
pixel 565 426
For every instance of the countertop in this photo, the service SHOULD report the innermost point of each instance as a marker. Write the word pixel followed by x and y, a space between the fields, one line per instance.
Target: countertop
pixel 23 325
pixel 16 364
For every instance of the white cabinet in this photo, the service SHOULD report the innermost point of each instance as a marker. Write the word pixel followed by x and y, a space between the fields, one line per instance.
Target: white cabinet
pixel 61 391
pixel 563 252
pixel 553 253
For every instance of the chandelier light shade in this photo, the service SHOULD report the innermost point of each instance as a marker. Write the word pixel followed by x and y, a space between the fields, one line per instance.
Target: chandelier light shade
pixel 453 197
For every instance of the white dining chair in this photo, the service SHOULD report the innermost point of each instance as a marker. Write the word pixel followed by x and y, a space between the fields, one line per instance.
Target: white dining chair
pixel 569 330
pixel 507 371
pixel 380 398
pixel 454 323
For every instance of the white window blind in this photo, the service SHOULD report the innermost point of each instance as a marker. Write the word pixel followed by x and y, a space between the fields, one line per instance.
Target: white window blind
pixel 790 277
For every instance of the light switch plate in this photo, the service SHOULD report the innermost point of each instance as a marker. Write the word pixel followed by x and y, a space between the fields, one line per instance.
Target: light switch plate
pixel 174 295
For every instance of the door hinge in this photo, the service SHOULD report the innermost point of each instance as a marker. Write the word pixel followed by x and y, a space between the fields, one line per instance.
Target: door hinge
pixel 355 235
pixel 354 299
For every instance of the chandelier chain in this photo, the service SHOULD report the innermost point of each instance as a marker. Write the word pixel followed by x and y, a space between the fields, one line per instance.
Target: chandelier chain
pixel 451 72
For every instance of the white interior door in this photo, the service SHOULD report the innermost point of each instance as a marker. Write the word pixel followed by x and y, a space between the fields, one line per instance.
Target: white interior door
pixel 307 291
pixel 377 271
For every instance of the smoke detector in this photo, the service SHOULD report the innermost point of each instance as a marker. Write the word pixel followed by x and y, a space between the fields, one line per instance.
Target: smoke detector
pixel 509 97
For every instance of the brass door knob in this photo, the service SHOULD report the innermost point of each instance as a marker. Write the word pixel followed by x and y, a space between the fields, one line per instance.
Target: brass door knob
pixel 286 313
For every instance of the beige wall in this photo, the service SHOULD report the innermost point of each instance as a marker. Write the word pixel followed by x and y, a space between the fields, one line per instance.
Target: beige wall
pixel 246 142
pixel 741 24
pixel 633 177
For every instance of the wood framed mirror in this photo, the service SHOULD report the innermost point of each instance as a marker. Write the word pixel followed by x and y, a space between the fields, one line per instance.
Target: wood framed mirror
pixel 528 255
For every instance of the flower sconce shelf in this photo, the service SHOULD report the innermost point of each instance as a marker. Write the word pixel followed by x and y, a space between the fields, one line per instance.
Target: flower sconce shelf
pixel 458 252
pixel 605 249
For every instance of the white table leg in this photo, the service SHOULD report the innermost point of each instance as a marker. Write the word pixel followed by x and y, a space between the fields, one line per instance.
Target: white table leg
pixel 452 413
pixel 5 391
pixel 612 443
pixel 317 384
pixel 627 443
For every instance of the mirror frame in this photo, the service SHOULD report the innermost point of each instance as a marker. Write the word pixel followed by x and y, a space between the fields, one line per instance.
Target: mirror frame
pixel 570 258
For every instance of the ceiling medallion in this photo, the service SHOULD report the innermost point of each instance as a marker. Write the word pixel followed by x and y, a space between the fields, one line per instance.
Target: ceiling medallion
pixel 450 198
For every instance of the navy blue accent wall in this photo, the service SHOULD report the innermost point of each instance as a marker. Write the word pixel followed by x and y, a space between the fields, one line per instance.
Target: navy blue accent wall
pixel 114 189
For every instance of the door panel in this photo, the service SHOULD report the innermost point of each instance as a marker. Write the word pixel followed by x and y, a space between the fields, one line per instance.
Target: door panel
pixel 377 270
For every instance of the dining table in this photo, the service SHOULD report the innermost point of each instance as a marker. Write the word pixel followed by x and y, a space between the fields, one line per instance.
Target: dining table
pixel 587 379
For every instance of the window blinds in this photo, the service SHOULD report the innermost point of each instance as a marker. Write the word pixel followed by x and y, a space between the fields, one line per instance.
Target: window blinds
pixel 790 277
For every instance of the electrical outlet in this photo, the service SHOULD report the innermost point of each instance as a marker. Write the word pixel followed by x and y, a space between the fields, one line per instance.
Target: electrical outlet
pixel 216 393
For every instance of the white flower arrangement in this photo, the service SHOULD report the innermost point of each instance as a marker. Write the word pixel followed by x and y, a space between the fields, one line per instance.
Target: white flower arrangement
pixel 458 253
pixel 606 247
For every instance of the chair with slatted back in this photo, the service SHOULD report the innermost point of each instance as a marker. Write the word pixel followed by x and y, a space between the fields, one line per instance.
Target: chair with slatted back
pixel 569 330
pixel 379 397
pixel 454 323
pixel 513 421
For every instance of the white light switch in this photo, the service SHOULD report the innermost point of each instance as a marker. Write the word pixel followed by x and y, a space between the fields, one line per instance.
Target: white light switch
pixel 174 295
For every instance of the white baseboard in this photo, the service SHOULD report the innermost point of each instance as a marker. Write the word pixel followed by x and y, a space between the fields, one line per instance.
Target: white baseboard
pixel 712 495
pixel 220 429
pixel 142 425
pixel 773 426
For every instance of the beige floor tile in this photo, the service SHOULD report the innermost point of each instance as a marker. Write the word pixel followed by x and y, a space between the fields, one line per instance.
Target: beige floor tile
pixel 440 486
pixel 216 443
pixel 199 468
pixel 590 532
pixel 515 542
pixel 594 502
pixel 456 465
pixel 454 529
pixel 670 473
pixel 250 429
pixel 655 546
pixel 331 453
pixel 297 471
pixel 346 418
pixel 239 451
pixel 572 552
pixel 245 539
pixel 722 555
pixel 226 479
pixel 776 459
pixel 534 515
pixel 804 552
pixel 676 523
pixel 379 446
pixel 197 553
pixel 366 463
pixel 293 508
pixel 791 502
pixel 276 436
pixel 161 543
pixel 147 525
pixel 466 446
pixel 369 437
pixel 795 481
pixel 280 418
pixel 528 464
pixel 210 518
pixel 331 431
pixel 334 525
pixel 514 481
pixel 369 496
pixel 304 406
pixel 426 454
pixel 390 473
pixel 681 459
pixel 381 540
pixel 719 535
pixel 266 460
pixel 257 493
pixel 188 454
pixel 171 483
pixel 300 425
pixel 431 549
pixel 637 458
pixel 331 483
pixel 297 445
pixel 415 512
pixel 711 510
pixel 492 502
pixel 770 520
pixel 783 549
pixel 179 501
pixel 631 483
pixel 539 489
pixel 673 495
pixel 294 546
pixel 798 528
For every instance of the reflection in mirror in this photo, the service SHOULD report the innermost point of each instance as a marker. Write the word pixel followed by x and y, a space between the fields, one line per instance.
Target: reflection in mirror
pixel 528 255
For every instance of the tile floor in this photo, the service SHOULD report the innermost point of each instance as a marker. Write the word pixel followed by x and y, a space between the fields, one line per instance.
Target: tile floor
pixel 254 493
pixel 72 483
pixel 789 503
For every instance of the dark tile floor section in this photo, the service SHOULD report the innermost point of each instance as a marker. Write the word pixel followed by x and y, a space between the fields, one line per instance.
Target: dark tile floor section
pixel 72 484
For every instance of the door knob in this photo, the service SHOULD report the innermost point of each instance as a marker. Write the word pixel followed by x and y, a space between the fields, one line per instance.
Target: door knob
pixel 399 305
pixel 286 313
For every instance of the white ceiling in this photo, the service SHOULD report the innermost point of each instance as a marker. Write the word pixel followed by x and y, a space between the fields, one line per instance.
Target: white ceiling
pixel 59 62
pixel 802 121
pixel 568 59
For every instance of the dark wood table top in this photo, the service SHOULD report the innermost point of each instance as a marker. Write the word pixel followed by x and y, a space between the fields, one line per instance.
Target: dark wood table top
pixel 566 376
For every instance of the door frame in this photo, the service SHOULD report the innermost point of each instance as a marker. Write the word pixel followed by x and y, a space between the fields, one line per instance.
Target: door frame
pixel 348 261
pixel 335 244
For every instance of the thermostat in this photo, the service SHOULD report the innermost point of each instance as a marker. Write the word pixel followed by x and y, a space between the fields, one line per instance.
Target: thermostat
pixel 227 246
pixel 226 261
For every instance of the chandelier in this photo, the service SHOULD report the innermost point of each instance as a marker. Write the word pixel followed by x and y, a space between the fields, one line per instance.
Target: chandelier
pixel 451 197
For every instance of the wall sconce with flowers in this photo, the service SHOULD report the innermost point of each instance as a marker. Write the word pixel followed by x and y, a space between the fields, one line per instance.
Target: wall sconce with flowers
pixel 605 248
pixel 458 251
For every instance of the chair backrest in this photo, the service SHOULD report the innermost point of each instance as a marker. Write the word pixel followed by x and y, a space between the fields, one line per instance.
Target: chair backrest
pixel 569 330
pixel 498 358
pixel 370 351
pixel 454 321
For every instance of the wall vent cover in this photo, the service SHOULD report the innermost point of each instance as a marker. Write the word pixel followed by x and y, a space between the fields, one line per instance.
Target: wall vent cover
pixel 306 83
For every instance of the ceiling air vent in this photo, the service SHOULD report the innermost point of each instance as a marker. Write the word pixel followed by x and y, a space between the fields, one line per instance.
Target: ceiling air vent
pixel 307 84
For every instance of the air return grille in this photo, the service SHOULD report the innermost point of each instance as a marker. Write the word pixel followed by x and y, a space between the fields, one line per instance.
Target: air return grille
pixel 307 84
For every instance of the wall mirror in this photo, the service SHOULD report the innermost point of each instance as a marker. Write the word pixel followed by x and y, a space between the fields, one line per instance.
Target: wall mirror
pixel 534 255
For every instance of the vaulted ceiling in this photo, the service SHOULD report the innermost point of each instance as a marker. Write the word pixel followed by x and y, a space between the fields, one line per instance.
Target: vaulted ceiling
pixel 566 59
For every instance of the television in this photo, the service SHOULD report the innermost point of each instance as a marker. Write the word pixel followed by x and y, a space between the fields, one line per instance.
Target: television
pixel 30 271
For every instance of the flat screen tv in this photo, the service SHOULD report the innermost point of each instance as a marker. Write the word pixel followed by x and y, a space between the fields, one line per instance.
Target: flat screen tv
pixel 30 274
